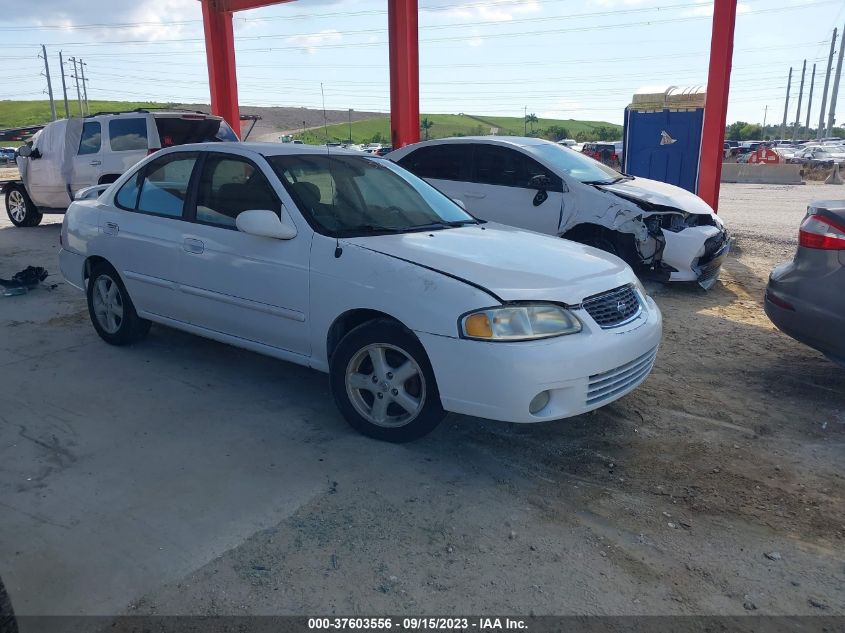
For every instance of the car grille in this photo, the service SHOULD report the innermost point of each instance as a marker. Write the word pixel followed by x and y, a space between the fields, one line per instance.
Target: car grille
pixel 614 307
pixel 609 384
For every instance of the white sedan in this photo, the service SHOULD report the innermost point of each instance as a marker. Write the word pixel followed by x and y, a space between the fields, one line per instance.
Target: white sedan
pixel 659 229
pixel 353 266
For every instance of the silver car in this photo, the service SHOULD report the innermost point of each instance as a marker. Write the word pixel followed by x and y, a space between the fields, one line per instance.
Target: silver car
pixel 805 298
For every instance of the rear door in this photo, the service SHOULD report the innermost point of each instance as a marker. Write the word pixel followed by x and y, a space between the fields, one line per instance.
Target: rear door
pixel 501 190
pixel 144 231
pixel 128 143
pixel 447 166
pixel 254 288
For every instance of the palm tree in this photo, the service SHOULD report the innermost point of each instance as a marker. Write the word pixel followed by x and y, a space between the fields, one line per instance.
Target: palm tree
pixel 425 125
pixel 532 119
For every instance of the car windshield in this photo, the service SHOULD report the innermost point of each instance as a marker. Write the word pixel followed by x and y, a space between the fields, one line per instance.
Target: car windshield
pixel 347 195
pixel 572 163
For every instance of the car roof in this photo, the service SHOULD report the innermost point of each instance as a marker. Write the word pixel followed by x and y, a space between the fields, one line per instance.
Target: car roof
pixel 516 141
pixel 262 148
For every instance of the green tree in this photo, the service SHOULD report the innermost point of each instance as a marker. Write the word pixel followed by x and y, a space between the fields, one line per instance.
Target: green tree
pixel 555 132
pixel 751 132
pixel 531 119
pixel 425 125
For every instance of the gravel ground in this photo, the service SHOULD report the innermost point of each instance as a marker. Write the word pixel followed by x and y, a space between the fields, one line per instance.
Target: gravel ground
pixel 184 477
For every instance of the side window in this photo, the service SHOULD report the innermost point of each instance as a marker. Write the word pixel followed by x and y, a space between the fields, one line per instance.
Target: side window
pixel 230 186
pixel 127 134
pixel 91 138
pixel 449 161
pixel 506 167
pixel 163 186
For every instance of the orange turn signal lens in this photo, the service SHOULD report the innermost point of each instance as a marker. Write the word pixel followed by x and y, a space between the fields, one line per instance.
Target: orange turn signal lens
pixel 478 326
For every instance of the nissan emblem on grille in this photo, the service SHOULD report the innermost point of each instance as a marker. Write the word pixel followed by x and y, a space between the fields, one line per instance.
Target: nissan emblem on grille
pixel 614 307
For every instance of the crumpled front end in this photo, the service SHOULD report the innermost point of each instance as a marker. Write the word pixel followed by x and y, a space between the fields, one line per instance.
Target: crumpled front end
pixel 696 254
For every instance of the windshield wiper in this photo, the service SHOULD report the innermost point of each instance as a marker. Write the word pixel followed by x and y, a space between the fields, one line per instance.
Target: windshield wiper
pixel 369 228
pixel 442 224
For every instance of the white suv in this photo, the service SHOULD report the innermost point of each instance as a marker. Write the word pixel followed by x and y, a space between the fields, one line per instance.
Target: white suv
pixel 71 154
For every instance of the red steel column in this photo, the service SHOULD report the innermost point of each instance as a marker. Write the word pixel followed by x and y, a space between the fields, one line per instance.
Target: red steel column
pixel 716 108
pixel 220 53
pixel 402 21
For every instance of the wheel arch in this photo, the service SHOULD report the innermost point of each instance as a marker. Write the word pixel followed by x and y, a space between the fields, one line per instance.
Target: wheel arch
pixel 90 262
pixel 351 319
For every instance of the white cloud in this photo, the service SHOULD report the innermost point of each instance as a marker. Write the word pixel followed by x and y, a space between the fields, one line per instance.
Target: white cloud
pixel 563 109
pixel 491 11
pixel 310 41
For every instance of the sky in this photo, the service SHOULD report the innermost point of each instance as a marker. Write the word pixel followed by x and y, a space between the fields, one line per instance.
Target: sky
pixel 580 59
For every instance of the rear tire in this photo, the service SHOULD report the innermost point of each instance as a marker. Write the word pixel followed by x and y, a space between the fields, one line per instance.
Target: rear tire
pixel 111 310
pixel 20 209
pixel 383 383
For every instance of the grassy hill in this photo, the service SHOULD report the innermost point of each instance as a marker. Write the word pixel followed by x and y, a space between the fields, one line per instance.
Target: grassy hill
pixel 370 127
pixel 22 113
pixel 461 125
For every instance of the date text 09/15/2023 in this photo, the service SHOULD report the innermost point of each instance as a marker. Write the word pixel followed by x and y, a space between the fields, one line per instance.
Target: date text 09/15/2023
pixel 418 623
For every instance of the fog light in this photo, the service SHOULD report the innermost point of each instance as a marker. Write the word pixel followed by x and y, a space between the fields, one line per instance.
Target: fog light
pixel 539 402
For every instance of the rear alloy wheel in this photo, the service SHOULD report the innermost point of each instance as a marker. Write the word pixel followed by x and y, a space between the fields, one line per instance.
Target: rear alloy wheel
pixel 20 209
pixel 383 383
pixel 111 310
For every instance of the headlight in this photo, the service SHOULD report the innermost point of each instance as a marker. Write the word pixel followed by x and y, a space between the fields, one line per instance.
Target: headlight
pixel 519 323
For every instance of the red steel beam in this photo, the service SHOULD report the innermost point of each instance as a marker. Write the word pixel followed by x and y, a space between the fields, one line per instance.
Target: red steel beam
pixel 716 107
pixel 402 23
pixel 243 5
pixel 220 54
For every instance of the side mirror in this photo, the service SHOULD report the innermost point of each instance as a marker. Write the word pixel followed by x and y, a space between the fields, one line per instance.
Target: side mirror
pixel 540 182
pixel 460 203
pixel 91 193
pixel 265 223
pixel 25 151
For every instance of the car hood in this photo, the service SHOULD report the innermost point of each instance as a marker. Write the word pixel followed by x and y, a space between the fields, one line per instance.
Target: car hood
pixel 513 264
pixel 660 194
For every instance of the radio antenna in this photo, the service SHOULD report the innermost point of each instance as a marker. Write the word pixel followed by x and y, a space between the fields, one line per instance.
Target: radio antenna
pixel 338 250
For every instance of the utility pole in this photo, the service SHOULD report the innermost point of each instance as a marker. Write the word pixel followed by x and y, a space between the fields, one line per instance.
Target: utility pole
pixel 831 114
pixel 786 106
pixel 75 76
pixel 49 83
pixel 820 131
pixel 765 116
pixel 84 87
pixel 810 100
pixel 350 125
pixel 64 87
pixel 525 122
pixel 800 97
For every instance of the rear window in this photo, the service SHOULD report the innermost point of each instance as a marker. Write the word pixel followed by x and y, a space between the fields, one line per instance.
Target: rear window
pixel 127 134
pixel 180 131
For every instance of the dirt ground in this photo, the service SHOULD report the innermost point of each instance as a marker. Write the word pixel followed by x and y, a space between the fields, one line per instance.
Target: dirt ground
pixel 181 476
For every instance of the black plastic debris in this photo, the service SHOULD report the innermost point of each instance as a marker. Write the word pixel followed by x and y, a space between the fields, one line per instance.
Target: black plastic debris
pixel 23 281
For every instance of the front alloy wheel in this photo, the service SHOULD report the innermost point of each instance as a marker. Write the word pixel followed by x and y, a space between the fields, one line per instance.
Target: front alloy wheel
pixel 20 209
pixel 383 383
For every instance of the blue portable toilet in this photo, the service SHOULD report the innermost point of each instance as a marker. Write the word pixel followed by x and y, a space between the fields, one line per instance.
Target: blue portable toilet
pixel 662 135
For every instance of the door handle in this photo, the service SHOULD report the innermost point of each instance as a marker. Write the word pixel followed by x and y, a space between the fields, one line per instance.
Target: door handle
pixel 96 162
pixel 110 228
pixel 190 245
pixel 476 195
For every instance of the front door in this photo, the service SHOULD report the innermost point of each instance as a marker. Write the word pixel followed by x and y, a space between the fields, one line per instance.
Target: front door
pixel 89 158
pixel 254 288
pixel 501 190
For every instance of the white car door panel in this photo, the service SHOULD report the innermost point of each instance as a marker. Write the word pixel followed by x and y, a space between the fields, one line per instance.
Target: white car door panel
pixel 143 233
pixel 255 288
pixel 89 157
pixel 251 287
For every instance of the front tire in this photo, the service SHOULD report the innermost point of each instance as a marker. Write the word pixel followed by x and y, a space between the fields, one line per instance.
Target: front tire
pixel 383 383
pixel 111 310
pixel 19 207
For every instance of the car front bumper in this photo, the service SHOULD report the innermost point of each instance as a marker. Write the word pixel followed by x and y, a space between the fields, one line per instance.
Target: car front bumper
pixel 696 254
pixel 581 371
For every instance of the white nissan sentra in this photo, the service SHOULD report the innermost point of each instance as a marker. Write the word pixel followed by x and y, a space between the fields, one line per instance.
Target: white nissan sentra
pixel 353 266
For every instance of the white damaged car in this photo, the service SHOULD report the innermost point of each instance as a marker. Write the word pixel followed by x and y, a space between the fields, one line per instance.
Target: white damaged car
pixel 347 263
pixel 661 230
